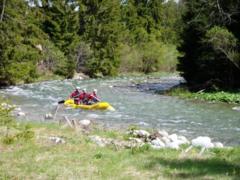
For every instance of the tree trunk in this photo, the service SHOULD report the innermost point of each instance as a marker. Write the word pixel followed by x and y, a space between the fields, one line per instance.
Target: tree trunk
pixel 3 8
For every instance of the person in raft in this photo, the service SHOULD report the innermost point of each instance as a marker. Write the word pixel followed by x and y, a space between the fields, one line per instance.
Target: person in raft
pixel 83 97
pixel 93 98
pixel 75 95
pixel 88 98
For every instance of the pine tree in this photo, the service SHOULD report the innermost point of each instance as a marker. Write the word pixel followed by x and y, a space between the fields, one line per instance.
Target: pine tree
pixel 100 27
pixel 202 64
pixel 18 56
pixel 61 24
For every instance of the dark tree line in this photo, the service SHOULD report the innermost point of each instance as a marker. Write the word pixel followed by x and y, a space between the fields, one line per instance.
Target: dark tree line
pixel 105 37
pixel 211 44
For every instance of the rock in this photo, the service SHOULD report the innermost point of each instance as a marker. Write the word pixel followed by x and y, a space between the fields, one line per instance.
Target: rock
pixel 183 139
pixel 155 147
pixel 202 141
pixel 237 108
pixel 163 133
pixel 173 145
pixel 159 134
pixel 98 140
pixel 157 142
pixel 18 109
pixel 218 145
pixel 165 139
pixel 48 116
pixel 173 137
pixel 39 47
pixel 80 76
pixel 141 133
pixel 143 123
pixel 57 140
pixel 136 140
pixel 21 114
pixel 85 122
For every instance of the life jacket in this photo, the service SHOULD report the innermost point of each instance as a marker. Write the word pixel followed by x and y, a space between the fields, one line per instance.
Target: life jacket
pixel 75 94
pixel 83 98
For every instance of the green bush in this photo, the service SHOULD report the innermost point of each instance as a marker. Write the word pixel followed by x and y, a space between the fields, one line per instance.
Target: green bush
pixel 13 131
pixel 148 57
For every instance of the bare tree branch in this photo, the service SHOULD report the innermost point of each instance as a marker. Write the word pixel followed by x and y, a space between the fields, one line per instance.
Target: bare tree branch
pixel 3 8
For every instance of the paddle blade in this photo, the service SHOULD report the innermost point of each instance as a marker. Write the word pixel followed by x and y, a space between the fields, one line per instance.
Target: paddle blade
pixel 61 102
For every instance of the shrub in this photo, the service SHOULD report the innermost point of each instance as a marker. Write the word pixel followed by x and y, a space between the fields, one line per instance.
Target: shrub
pixel 8 122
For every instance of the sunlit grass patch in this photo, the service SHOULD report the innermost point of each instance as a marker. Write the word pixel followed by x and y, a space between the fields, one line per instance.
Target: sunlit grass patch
pixel 79 158
pixel 218 96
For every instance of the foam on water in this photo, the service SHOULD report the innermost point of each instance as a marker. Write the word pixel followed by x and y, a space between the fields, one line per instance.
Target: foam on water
pixel 133 106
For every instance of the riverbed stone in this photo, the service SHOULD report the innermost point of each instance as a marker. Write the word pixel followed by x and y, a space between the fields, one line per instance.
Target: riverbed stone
pixel 136 140
pixel 158 142
pixel 48 116
pixel 141 133
pixel 18 109
pixel 237 108
pixel 80 76
pixel 183 139
pixel 218 145
pixel 163 133
pixel 85 122
pixel 21 114
pixel 57 140
pixel 173 145
pixel 166 140
pixel 102 142
pixel 173 137
pixel 202 141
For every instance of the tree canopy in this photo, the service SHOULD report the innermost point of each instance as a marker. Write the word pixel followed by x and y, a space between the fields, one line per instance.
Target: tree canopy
pixel 210 43
pixel 107 37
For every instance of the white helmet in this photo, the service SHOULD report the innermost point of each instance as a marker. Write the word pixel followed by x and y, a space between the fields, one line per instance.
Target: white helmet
pixel 95 90
pixel 84 90
pixel 78 88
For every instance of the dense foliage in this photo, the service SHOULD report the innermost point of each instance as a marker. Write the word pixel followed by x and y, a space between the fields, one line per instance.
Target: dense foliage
pixel 105 37
pixel 219 96
pixel 211 44
pixel 97 37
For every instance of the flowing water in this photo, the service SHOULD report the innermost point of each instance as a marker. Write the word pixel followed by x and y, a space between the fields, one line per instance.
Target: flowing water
pixel 135 105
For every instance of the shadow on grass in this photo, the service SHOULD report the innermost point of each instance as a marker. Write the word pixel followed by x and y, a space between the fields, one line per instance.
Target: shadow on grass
pixel 185 168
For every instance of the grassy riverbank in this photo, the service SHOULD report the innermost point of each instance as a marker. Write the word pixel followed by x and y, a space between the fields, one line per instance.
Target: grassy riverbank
pixel 218 96
pixel 79 158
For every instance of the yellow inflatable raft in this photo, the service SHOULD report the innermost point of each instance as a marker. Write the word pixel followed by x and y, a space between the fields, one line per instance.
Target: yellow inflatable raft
pixel 96 106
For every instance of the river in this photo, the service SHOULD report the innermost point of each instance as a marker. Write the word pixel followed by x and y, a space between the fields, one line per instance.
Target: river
pixel 135 103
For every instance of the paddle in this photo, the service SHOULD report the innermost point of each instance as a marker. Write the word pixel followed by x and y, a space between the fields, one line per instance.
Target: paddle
pixel 61 102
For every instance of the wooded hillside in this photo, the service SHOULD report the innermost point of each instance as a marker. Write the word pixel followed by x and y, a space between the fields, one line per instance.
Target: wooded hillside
pixel 106 37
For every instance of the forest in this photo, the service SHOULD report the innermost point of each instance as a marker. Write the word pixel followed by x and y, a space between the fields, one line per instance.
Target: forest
pixel 198 38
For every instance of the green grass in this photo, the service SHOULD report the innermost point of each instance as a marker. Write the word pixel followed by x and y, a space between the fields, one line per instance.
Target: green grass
pixel 153 75
pixel 81 159
pixel 48 77
pixel 219 96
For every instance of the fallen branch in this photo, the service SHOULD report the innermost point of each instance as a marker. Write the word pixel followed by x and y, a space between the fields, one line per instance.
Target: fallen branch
pixel 69 122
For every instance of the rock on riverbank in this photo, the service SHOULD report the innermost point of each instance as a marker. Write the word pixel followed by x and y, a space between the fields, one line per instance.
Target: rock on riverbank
pixel 157 140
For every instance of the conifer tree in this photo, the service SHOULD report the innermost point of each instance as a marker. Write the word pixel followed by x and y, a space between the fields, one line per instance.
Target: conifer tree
pixel 17 56
pixel 61 24
pixel 100 27
pixel 203 64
